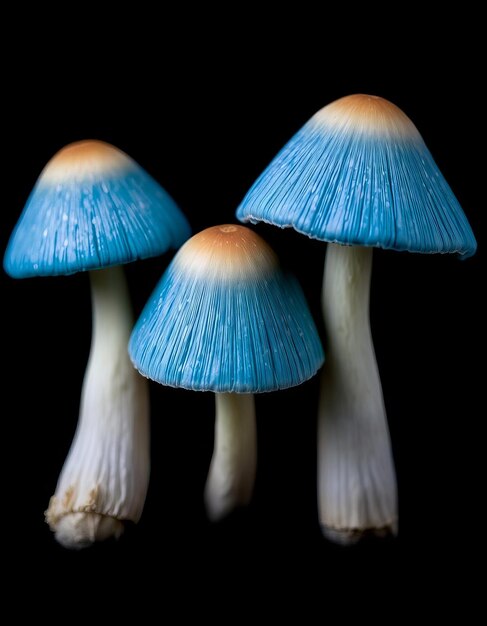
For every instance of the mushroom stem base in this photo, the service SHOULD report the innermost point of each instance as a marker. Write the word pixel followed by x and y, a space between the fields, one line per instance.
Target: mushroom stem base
pixel 80 530
pixel 232 470
pixel 357 492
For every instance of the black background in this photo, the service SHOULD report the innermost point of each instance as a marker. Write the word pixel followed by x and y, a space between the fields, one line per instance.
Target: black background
pixel 205 128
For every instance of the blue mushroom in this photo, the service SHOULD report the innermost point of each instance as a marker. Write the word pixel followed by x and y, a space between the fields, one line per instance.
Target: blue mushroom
pixel 93 208
pixel 224 318
pixel 358 175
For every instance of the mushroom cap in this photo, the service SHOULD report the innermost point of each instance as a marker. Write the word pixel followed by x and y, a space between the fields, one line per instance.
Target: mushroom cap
pixel 225 318
pixel 359 173
pixel 92 207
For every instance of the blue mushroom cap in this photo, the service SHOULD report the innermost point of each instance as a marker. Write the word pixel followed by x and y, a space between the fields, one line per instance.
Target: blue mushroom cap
pixel 92 207
pixel 224 318
pixel 359 173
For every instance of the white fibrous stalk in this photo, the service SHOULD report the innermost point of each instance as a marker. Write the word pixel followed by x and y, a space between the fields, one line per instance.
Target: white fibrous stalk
pixel 105 477
pixel 231 477
pixel 357 491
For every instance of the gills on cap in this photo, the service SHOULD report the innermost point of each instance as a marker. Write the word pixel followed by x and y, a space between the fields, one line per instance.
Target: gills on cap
pixel 359 173
pixel 92 207
pixel 224 318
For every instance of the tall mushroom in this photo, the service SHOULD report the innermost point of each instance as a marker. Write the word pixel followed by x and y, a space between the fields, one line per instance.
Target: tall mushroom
pixel 225 318
pixel 93 207
pixel 358 175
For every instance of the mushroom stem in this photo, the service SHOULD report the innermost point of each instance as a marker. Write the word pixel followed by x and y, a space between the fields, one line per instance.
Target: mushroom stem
pixel 105 476
pixel 357 492
pixel 232 470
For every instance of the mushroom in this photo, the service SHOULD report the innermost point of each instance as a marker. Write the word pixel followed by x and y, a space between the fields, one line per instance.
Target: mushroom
pixel 225 318
pixel 358 175
pixel 93 207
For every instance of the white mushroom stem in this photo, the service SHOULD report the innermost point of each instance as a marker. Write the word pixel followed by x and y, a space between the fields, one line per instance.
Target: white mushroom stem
pixel 105 477
pixel 357 491
pixel 232 470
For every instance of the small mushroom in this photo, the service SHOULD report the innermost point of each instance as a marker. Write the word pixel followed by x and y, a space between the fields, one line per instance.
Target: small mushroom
pixel 224 318
pixel 358 175
pixel 93 207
